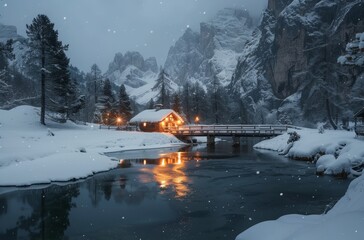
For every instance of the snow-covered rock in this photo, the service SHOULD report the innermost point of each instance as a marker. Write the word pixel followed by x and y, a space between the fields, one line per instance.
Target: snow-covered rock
pixel 338 152
pixel 8 32
pixel 212 51
pixel 131 69
pixel 136 73
pixel 355 52
pixel 296 43
pixel 19 46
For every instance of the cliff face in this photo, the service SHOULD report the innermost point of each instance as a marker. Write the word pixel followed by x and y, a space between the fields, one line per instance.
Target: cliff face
pixel 8 32
pixel 213 51
pixel 131 69
pixel 291 70
pixel 20 47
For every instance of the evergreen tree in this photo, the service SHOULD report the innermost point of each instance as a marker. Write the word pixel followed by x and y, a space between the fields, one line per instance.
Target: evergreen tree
pixel 176 103
pixel 105 107
pixel 125 109
pixel 6 53
pixel 186 101
pixel 198 101
pixel 163 85
pixel 75 100
pixel 151 104
pixel 96 78
pixel 59 85
pixel 45 52
pixel 218 101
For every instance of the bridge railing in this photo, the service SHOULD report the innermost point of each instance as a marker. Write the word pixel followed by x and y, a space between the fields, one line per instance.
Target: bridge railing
pixel 229 129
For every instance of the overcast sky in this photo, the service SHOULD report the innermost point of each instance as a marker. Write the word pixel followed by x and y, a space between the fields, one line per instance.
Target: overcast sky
pixel 97 29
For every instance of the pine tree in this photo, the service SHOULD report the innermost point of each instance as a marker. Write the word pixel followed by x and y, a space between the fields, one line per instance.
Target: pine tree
pixel 96 78
pixel 198 101
pixel 45 48
pixel 105 107
pixel 186 101
pixel 163 85
pixel 75 100
pixel 59 85
pixel 6 53
pixel 176 103
pixel 218 101
pixel 151 104
pixel 125 109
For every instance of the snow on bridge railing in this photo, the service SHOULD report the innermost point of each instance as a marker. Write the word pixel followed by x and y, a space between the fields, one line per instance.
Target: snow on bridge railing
pixel 262 129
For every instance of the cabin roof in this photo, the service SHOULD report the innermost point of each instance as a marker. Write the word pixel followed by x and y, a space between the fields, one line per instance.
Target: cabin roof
pixel 154 115
pixel 360 113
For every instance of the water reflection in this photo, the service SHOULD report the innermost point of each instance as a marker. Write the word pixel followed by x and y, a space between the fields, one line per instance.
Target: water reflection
pixel 169 173
pixel 199 194
pixel 46 215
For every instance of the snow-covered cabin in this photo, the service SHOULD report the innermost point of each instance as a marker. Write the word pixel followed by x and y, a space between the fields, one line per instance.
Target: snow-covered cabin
pixel 359 122
pixel 157 120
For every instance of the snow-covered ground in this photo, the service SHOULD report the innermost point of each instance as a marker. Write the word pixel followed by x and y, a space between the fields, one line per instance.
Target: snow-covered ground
pixel 29 154
pixel 342 151
pixel 335 151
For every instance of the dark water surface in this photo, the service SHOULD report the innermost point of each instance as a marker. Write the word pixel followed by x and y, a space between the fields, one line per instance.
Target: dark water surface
pixel 168 194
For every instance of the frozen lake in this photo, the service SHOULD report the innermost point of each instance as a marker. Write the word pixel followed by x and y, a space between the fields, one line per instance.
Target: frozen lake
pixel 169 194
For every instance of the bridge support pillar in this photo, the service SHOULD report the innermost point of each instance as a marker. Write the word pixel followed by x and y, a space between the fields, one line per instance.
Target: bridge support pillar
pixel 210 140
pixel 236 141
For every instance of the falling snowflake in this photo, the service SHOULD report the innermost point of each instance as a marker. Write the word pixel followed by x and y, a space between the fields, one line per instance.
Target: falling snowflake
pixel 188 26
pixel 204 13
pixel 5 5
pixel 258 172
pixel 151 31
pixel 64 18
pixel 281 194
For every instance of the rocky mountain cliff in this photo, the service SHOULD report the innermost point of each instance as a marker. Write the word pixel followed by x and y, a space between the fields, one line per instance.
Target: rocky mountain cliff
pixel 19 46
pixel 213 51
pixel 8 32
pixel 131 69
pixel 289 71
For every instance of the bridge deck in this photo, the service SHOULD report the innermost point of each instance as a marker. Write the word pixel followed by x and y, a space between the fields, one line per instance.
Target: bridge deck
pixel 230 130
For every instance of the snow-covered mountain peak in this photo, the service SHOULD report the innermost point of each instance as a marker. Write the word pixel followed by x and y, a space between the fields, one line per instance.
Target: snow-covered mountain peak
pixel 213 51
pixel 131 69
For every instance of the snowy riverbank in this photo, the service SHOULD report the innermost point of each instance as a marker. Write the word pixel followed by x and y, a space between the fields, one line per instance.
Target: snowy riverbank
pixel 29 154
pixel 337 152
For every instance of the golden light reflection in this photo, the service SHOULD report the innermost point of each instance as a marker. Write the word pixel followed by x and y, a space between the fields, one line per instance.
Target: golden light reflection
pixel 179 159
pixel 145 162
pixel 172 175
pixel 163 184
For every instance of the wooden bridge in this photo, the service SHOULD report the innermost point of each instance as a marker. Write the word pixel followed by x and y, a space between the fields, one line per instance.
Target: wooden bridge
pixel 234 131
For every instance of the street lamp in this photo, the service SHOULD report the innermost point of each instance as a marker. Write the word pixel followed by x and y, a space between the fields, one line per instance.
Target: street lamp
pixel 197 120
pixel 118 121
